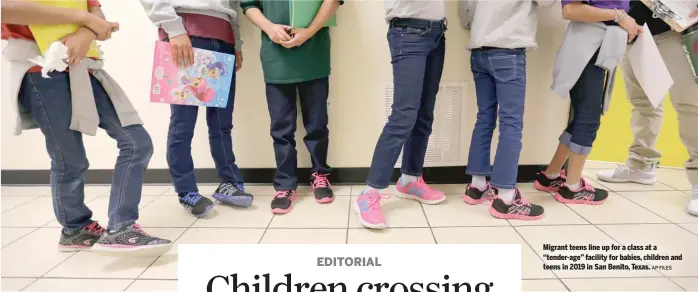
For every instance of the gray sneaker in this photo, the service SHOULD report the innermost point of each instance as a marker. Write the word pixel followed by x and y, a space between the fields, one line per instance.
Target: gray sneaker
pixel 623 174
pixel 131 241
pixel 692 206
pixel 82 239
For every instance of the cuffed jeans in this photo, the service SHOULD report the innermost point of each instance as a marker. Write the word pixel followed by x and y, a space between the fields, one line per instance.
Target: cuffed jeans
pixel 646 121
pixel 417 48
pixel 500 84
pixel 220 125
pixel 49 102
pixel 587 106
pixel 281 101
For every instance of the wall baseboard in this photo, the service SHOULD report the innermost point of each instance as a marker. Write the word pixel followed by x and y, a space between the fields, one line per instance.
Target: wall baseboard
pixel 344 175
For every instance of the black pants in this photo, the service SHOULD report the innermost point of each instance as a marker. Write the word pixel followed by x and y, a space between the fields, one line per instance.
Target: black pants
pixel 281 100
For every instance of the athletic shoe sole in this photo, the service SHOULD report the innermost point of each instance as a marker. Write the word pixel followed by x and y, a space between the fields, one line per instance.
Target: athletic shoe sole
pixel 496 214
pixel 470 201
pixel 73 248
pixel 237 201
pixel 364 223
pixel 564 200
pixel 542 188
pixel 206 211
pixel 116 250
pixel 645 181
pixel 324 200
pixel 402 195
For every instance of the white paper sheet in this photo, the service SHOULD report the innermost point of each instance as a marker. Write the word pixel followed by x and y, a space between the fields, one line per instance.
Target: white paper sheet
pixel 649 68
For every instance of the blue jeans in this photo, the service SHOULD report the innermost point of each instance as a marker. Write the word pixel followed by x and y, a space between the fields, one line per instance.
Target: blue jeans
pixel 500 84
pixel 281 101
pixel 220 124
pixel 417 48
pixel 49 102
pixel 587 106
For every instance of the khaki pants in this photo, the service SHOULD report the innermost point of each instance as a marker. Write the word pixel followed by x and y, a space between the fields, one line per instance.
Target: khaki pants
pixel 647 121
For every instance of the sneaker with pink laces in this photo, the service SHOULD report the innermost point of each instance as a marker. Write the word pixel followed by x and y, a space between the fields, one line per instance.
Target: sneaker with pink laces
pixel 519 209
pixel 419 191
pixel 586 194
pixel 282 202
pixel 321 188
pixel 368 207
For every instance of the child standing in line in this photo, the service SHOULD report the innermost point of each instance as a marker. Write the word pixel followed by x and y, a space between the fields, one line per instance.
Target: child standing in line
pixel 593 45
pixel 68 105
pixel 296 64
pixel 501 32
pixel 417 41
pixel 214 26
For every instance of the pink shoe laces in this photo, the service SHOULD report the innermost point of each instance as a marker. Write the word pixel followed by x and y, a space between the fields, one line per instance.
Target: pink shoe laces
pixel 138 229
pixel 94 227
pixel 519 200
pixel 421 183
pixel 283 194
pixel 374 200
pixel 320 181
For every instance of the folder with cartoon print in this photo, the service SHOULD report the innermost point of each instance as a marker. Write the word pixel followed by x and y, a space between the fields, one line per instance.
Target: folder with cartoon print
pixel 206 83
pixel 45 35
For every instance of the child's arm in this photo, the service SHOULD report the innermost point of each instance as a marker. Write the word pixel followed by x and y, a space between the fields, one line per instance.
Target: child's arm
pixel 327 9
pixel 577 11
pixel 276 32
pixel 27 13
pixel 236 27
pixel 163 15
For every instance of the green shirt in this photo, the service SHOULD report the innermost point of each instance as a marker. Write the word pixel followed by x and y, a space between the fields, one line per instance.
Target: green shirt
pixel 281 65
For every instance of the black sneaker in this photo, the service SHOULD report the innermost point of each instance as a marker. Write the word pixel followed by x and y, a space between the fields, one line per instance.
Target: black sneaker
pixel 233 194
pixel 131 241
pixel 474 196
pixel 197 204
pixel 82 239
pixel 283 201
pixel 587 194
pixel 545 184
pixel 321 188
pixel 519 209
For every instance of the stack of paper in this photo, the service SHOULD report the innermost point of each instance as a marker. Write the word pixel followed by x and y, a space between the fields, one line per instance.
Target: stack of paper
pixel 303 12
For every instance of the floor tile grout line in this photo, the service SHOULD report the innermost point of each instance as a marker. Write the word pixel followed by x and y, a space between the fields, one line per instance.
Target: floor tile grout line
pixel 351 205
pixel 534 251
pixel 398 227
pixel 23 236
pixel 20 205
pixel 428 224
pixel 265 229
pixel 658 215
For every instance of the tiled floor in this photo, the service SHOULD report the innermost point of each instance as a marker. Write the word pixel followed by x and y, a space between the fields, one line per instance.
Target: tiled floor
pixel 634 214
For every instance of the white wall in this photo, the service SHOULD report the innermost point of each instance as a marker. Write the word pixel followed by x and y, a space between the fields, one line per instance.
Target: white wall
pixel 361 65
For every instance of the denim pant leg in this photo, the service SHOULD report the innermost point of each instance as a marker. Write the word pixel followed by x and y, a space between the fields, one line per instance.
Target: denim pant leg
pixel 179 137
pixel 135 150
pixel 409 50
pixel 313 99
pixel 416 145
pixel 481 139
pixel 49 102
pixel 220 126
pixel 281 101
pixel 509 72
pixel 587 105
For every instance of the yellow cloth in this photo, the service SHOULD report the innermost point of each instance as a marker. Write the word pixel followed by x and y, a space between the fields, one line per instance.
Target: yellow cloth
pixel 45 35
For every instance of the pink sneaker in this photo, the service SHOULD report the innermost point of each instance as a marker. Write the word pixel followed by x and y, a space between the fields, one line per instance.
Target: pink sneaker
pixel 419 191
pixel 368 207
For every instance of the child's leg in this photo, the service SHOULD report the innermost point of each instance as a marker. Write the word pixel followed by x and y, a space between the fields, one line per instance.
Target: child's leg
pixel 313 98
pixel 49 102
pixel 587 99
pixel 281 101
pixel 411 185
pixel 478 191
